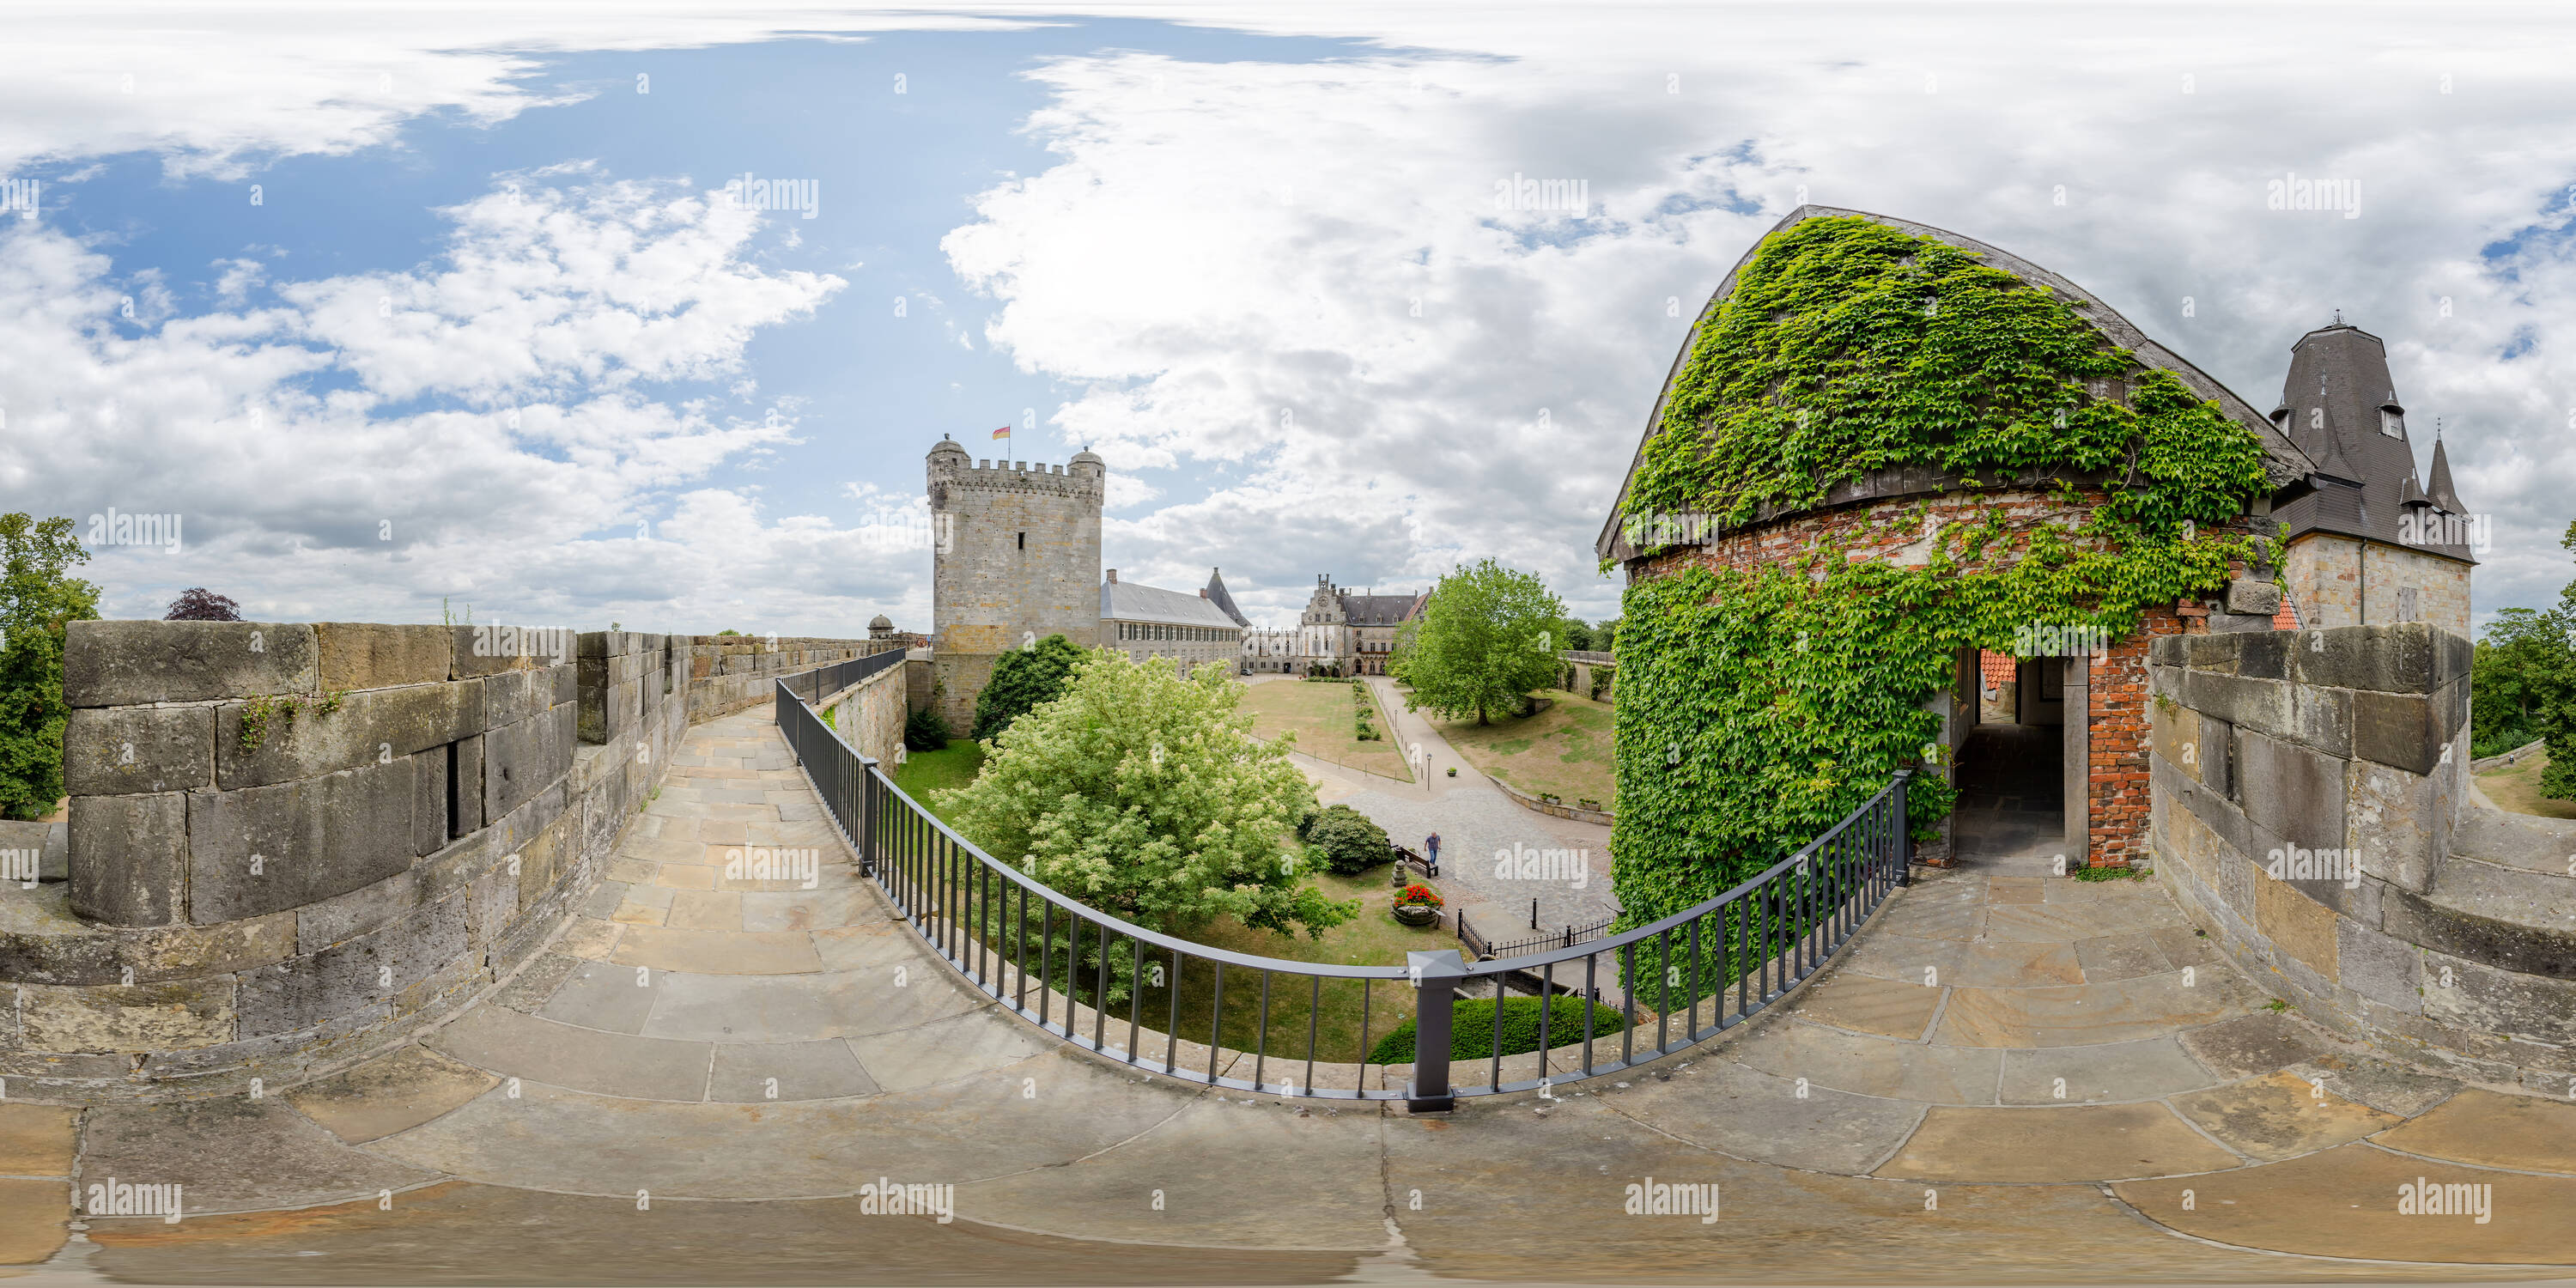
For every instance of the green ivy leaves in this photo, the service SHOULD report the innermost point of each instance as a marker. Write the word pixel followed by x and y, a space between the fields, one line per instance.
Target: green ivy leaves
pixel 1757 707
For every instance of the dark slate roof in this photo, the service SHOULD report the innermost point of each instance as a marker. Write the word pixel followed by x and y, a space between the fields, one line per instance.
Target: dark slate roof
pixel 2334 405
pixel 1376 610
pixel 1126 601
pixel 1216 594
pixel 2284 463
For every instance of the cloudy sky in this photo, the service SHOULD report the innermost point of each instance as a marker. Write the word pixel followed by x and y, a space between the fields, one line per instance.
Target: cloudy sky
pixel 402 308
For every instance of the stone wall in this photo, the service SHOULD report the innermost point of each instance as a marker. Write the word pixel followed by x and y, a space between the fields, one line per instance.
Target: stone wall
pixel 291 844
pixel 2310 814
pixel 730 672
pixel 870 713
pixel 2327 576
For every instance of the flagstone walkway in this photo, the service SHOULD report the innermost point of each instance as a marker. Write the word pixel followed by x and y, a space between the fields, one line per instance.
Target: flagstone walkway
pixel 2007 1077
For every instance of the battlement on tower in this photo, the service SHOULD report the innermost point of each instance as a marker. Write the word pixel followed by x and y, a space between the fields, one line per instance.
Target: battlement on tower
pixel 1082 478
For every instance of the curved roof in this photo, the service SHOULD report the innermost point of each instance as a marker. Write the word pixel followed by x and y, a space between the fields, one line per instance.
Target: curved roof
pixel 2284 463
pixel 880 623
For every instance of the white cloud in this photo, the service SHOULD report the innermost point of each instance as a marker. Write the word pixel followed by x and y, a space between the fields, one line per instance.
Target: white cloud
pixel 1226 258
pixel 490 434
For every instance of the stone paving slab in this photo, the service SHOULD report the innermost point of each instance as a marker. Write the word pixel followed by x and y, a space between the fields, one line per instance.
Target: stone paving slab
pixel 35 1218
pixel 2343 1203
pixel 463 1234
pixel 565 1055
pixel 233 1154
pixel 2059 1143
pixel 2251 1044
pixel 959 1046
pixel 1721 1105
pixel 392 1093
pixel 2518 1132
pixel 954 1132
pixel 1872 1066
pixel 2067 922
pixel 788 1008
pixel 2112 1072
pixel 2112 957
pixel 1865 1004
pixel 36 1140
pixel 715 952
pixel 2381 1084
pixel 1261 1175
pixel 2086 1014
pixel 2279 1115
pixel 597 995
pixel 759 1072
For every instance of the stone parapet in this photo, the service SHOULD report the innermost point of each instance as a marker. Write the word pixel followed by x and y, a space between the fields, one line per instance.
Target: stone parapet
pixel 2311 814
pixel 292 844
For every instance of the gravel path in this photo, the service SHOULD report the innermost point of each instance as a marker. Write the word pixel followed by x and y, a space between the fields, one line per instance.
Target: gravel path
pixel 1567 863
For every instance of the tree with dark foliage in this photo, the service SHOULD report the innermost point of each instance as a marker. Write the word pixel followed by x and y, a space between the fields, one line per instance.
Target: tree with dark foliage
pixel 198 604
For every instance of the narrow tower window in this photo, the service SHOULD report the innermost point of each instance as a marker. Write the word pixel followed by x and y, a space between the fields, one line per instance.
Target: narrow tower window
pixel 1024 541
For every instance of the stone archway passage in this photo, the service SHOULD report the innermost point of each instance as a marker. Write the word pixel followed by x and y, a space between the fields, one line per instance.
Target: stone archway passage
pixel 704 1078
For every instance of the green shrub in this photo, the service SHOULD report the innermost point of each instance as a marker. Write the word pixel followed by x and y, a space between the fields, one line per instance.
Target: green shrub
pixel 1023 679
pixel 926 730
pixel 1352 842
pixel 1471 1029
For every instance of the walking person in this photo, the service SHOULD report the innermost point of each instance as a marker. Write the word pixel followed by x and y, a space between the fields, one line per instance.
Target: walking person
pixel 1431 850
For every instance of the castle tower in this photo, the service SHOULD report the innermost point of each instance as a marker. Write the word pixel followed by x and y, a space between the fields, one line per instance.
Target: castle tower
pixel 1016 559
pixel 2371 544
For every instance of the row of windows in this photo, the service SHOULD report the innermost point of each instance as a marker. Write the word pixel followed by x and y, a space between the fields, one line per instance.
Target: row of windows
pixel 1155 631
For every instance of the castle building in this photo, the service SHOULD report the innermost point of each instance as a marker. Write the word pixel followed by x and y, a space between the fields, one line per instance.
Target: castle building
pixel 2354 535
pixel 1149 621
pixel 2371 545
pixel 1020 560
pixel 1340 632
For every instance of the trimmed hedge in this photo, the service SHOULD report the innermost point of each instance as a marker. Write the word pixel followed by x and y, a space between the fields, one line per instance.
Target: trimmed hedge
pixel 1471 1029
pixel 1352 841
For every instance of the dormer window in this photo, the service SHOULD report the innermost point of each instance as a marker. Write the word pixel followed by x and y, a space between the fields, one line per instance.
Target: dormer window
pixel 2392 422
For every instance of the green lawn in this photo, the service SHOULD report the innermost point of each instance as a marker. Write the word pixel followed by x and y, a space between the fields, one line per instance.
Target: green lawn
pixel 1563 750
pixel 2518 789
pixel 1373 938
pixel 1320 715
pixel 924 772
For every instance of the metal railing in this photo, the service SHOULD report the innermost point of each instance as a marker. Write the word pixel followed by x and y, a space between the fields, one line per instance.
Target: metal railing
pixel 1072 970
pixel 1566 938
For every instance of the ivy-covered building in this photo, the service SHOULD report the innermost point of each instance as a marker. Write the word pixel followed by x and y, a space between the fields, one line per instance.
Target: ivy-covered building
pixel 1886 450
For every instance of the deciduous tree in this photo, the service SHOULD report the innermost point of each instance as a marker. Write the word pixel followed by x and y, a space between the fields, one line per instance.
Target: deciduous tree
pixel 1488 635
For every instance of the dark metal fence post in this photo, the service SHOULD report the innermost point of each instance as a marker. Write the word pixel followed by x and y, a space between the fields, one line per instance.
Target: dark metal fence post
pixel 1435 979
pixel 1904 833
pixel 867 817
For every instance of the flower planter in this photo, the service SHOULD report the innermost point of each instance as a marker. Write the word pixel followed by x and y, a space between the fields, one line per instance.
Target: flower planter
pixel 1417 914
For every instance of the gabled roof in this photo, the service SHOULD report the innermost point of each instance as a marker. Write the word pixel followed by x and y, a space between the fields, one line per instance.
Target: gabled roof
pixel 2338 403
pixel 1125 601
pixel 2284 463
pixel 1216 594
pixel 1375 610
